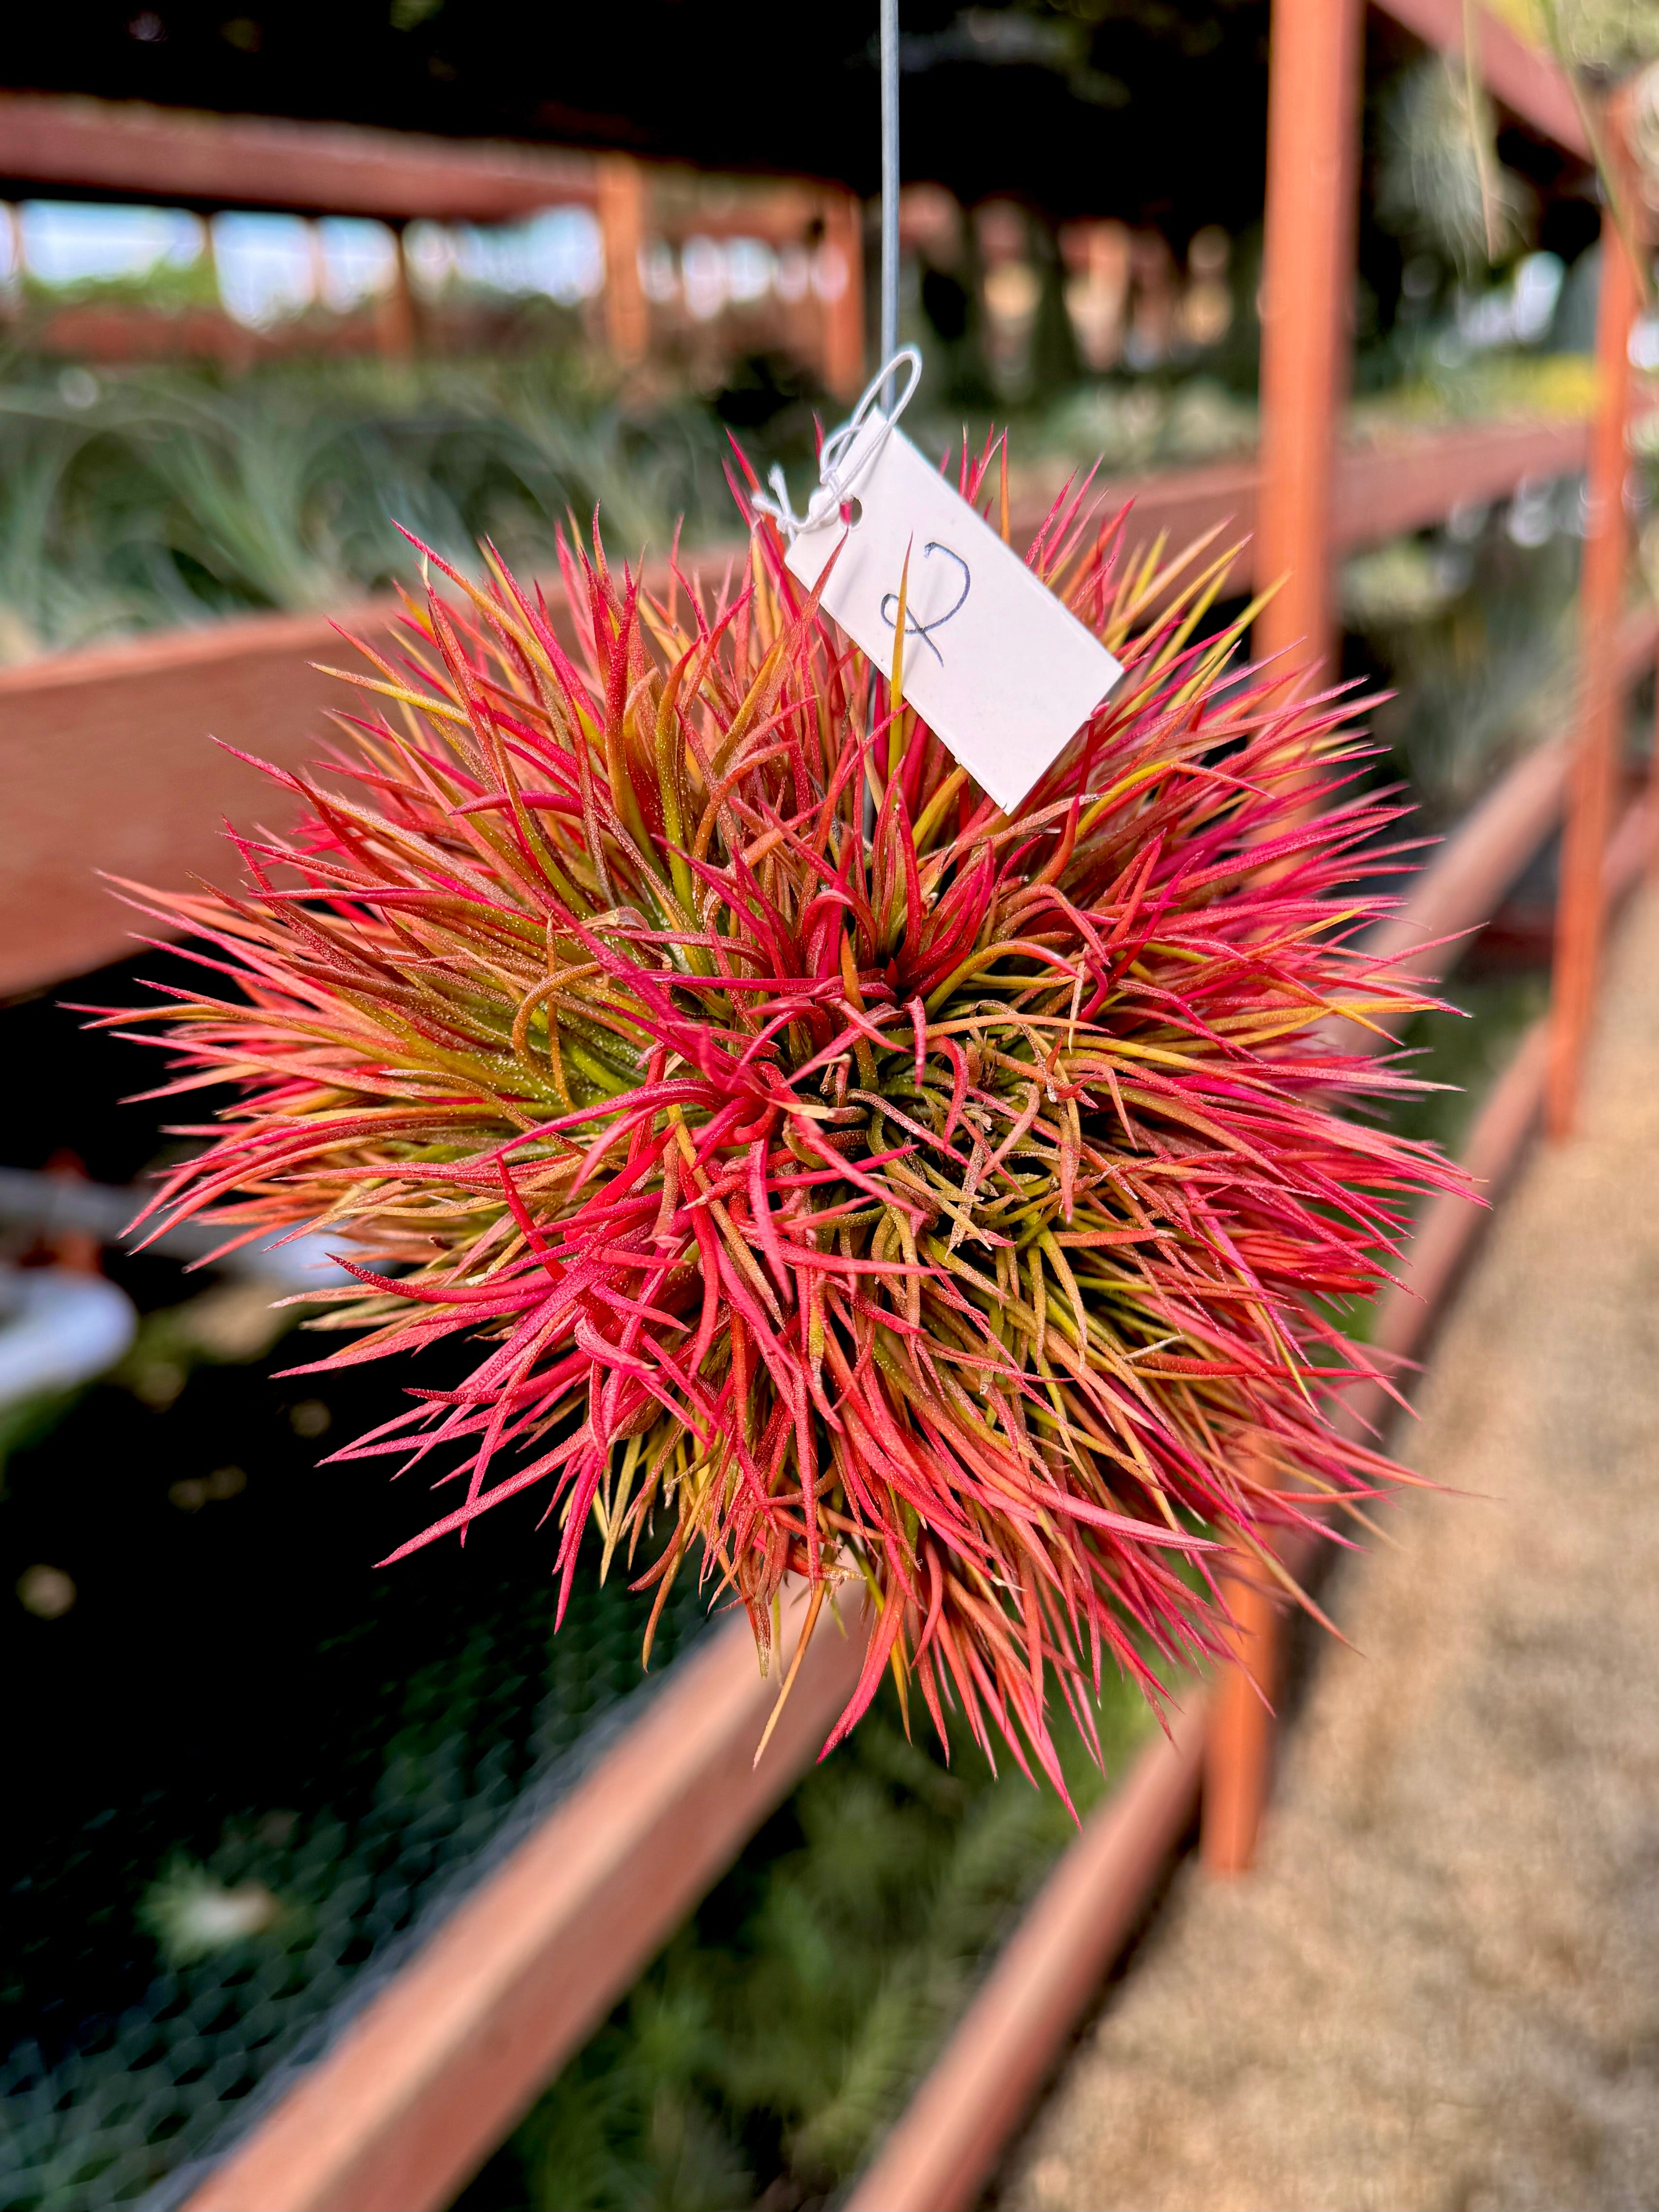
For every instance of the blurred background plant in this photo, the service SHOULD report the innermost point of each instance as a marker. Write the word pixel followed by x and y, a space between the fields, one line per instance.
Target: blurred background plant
pixel 1593 34
pixel 1471 629
pixel 138 498
pixel 1436 183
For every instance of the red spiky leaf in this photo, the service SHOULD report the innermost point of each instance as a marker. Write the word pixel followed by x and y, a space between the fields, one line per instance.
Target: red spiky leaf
pixel 955 1208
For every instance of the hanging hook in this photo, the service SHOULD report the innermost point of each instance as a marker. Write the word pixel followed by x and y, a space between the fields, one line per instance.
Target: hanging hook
pixel 835 488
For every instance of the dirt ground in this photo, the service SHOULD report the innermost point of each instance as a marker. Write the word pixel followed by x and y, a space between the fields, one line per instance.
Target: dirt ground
pixel 1440 1989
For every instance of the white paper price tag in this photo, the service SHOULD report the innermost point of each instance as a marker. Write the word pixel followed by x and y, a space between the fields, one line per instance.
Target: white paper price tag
pixel 993 662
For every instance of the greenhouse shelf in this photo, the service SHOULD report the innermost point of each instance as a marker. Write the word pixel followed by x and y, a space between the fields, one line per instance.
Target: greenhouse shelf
pixel 105 762
pixel 451 1935
pixel 126 148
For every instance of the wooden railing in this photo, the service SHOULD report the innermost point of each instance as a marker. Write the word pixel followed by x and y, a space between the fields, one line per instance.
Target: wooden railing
pixel 209 162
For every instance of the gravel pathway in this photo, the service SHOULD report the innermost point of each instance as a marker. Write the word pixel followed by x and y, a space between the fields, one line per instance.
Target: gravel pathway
pixel 1440 1989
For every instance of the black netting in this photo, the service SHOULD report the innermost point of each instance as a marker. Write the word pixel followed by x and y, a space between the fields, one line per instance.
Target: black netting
pixel 243 1765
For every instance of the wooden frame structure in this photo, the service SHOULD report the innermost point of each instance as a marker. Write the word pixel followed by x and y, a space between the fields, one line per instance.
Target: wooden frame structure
pixel 436 2069
pixel 1219 1754
pixel 210 162
pixel 1582 908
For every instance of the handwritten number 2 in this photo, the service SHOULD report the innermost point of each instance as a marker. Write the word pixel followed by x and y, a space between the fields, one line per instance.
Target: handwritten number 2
pixel 924 630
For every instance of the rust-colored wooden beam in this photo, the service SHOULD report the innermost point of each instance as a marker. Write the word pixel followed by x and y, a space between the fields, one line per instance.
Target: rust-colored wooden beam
pixel 106 763
pixel 1240 1755
pixel 1409 480
pixel 1449 1227
pixel 396 318
pixel 1239 1747
pixel 1456 893
pixel 1393 482
pixel 1313 121
pixel 430 2076
pixel 781 213
pixel 1312 161
pixel 1580 904
pixel 841 340
pixel 176 156
pixel 1464 883
pixel 1520 79
pixel 622 216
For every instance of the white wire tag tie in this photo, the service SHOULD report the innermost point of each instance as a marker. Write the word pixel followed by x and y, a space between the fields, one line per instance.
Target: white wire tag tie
pixel 836 487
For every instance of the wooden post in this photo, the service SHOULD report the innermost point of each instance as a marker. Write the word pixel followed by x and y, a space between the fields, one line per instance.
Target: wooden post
pixel 1313 165
pixel 1581 904
pixel 394 311
pixel 1313 126
pixel 622 225
pixel 318 260
pixel 1238 1754
pixel 841 327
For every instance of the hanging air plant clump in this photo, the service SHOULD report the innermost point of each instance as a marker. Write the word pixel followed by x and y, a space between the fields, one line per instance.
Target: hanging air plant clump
pixel 841 1180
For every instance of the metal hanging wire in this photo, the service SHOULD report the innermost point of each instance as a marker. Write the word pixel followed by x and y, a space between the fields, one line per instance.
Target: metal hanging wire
pixel 889 192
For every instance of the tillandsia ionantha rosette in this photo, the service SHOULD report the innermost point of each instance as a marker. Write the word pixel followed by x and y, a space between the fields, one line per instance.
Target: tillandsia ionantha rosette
pixel 841 1180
